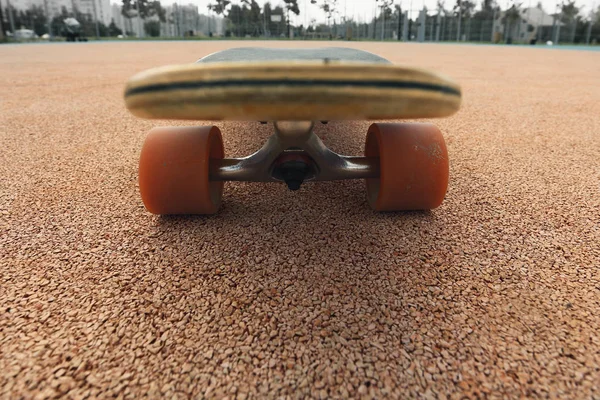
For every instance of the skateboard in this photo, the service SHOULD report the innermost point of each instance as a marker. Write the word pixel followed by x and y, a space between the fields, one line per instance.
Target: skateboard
pixel 182 169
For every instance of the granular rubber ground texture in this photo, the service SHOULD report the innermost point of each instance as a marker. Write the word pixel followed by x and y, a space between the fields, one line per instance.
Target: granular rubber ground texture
pixel 308 293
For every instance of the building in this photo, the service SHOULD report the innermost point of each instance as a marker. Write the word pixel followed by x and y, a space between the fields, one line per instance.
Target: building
pixel 534 24
pixel 99 8
pixel 187 21
pixel 130 26
pixel 102 7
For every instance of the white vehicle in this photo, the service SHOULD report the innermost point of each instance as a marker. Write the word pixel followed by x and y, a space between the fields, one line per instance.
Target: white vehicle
pixel 21 34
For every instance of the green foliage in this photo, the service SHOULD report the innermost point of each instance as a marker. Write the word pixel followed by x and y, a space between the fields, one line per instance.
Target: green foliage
pixel 465 7
pixel 152 28
pixel 113 29
pixel 33 18
pixel 220 7
pixel 57 24
pixel 245 20
pixel 511 16
pixel 385 6
pixel 274 28
pixel 146 9
pixel 292 5
pixel 568 12
pixel 330 8
pixel 103 30
pixel 88 27
pixel 488 7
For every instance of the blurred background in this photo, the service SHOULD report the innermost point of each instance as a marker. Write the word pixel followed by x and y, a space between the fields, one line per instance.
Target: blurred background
pixel 488 21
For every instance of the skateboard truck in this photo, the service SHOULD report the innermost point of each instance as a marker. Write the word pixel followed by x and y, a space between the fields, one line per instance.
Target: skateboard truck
pixel 293 154
pixel 293 168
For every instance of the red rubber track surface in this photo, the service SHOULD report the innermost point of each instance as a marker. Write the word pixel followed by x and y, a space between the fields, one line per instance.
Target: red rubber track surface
pixel 309 292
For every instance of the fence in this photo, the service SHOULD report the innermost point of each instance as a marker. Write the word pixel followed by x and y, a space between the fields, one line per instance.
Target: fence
pixel 525 26
pixel 420 26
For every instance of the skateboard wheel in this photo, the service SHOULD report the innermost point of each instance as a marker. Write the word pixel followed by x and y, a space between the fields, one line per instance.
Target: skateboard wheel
pixel 174 170
pixel 413 162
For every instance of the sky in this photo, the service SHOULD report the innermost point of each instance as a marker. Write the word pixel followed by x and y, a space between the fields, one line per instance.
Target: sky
pixel 365 9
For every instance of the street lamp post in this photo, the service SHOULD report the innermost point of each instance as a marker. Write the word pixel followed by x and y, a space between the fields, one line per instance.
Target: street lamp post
pixel 459 20
pixel 383 21
pixel 96 19
pixel 589 29
pixel 139 16
pixel 48 19
pixel 11 19
pixel 383 8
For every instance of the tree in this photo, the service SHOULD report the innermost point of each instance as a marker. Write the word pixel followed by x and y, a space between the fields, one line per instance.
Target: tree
pixel 152 28
pixel 272 26
pixel 33 18
pixel 244 19
pixel 291 5
pixel 57 24
pixel 568 12
pixel 113 29
pixel 235 17
pixel 2 38
pixel 147 9
pixel 484 18
pixel 384 15
pixel 386 10
pixel 569 16
pixel 330 8
pixel 511 16
pixel 398 16
pixel 219 7
pixel 87 25
pixel 254 16
pixel 102 29
pixel 463 9
pixel 487 10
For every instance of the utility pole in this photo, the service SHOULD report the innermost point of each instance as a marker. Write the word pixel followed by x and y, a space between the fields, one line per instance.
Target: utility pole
pixel 139 16
pixel 48 19
pixel 1 24
pixel 421 25
pixel 10 17
pixel 438 26
pixel 589 29
pixel 443 27
pixel 557 32
pixel 176 14
pixel 459 18
pixel 375 21
pixel 183 19
pixel 383 21
pixel 95 18
pixel 345 22
pixel 399 11
pixel 432 27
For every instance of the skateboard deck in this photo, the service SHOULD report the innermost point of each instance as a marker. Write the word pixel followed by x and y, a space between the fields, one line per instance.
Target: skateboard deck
pixel 262 84
pixel 182 169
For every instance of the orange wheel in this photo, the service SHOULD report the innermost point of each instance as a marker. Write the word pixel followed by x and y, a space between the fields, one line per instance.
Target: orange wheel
pixel 174 170
pixel 413 162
